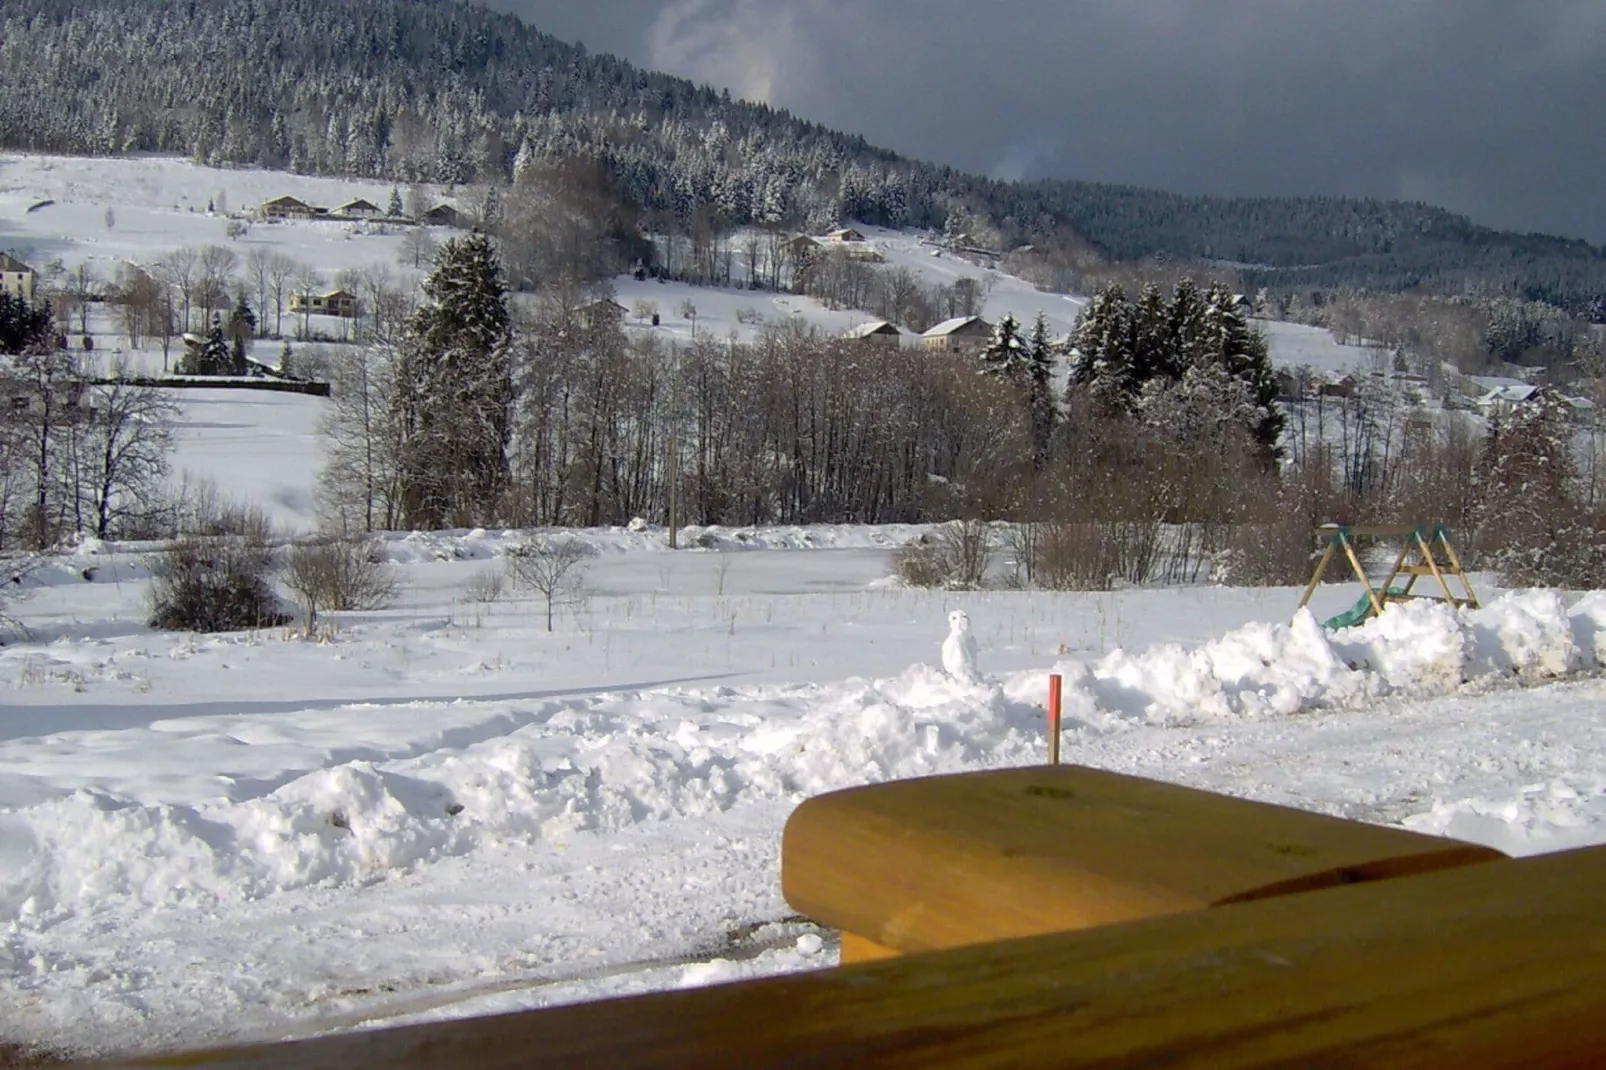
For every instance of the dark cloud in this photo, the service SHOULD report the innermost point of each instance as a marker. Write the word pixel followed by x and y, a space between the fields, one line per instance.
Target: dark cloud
pixel 1494 108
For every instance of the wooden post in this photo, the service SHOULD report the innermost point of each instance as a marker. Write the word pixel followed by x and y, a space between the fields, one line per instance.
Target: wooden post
pixel 1321 568
pixel 1056 687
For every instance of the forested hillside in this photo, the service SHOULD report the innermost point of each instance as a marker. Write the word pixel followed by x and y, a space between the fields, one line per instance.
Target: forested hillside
pixel 420 90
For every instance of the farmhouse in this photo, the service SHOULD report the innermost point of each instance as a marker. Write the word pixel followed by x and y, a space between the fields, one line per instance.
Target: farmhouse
pixel 17 278
pixel 287 208
pixel 334 303
pixel 843 235
pixel 443 215
pixel 358 209
pixel 876 331
pixel 960 333
pixel 604 312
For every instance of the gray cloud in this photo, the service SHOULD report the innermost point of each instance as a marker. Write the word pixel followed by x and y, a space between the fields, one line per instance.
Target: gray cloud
pixel 1494 108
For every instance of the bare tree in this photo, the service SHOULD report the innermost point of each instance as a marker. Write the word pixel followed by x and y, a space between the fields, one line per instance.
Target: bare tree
pixel 126 449
pixel 555 569
pixel 418 248
pixel 339 573
pixel 140 303
pixel 216 282
pixel 308 281
pixel 357 490
pixel 84 286
pixel 281 271
pixel 180 270
pixel 259 277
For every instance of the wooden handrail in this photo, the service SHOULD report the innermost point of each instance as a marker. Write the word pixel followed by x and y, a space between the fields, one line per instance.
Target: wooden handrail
pixel 1478 968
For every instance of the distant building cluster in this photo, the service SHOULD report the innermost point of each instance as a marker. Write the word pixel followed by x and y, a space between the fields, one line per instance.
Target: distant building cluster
pixel 442 215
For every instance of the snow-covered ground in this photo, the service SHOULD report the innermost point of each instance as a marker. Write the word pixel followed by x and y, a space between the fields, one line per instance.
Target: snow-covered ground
pixel 444 809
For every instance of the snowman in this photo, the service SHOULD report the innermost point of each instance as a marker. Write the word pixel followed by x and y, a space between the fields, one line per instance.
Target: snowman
pixel 959 649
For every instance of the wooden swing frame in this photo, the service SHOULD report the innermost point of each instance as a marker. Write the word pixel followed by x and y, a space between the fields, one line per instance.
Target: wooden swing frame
pixel 1416 559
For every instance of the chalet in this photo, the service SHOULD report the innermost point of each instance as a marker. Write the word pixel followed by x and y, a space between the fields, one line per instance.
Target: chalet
pixel 960 333
pixel 358 209
pixel 443 215
pixel 287 208
pixel 334 303
pixel 877 331
pixel 803 246
pixel 603 312
pixel 842 236
pixel 17 278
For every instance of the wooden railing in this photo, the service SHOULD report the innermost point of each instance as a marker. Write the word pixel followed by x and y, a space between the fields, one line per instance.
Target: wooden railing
pixel 1258 937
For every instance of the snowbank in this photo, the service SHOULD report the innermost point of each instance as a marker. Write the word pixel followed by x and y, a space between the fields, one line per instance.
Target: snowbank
pixel 1415 649
pixel 614 760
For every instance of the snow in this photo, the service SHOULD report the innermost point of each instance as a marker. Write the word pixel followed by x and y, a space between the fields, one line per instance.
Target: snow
pixel 442 809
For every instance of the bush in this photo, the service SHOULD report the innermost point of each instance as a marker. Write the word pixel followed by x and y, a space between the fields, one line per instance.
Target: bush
pixel 334 573
pixel 554 569
pixel 216 584
pixel 1274 554
pixel 955 556
pixel 487 585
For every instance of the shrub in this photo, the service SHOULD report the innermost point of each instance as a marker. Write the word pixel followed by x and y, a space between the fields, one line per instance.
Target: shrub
pixel 215 584
pixel 334 573
pixel 956 556
pixel 487 585
pixel 553 568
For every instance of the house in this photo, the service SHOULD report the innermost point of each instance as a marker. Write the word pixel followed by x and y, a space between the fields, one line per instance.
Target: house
pixel 17 278
pixel 287 208
pixel 842 235
pixel 877 331
pixel 443 215
pixel 603 312
pixel 358 209
pixel 960 333
pixel 802 247
pixel 334 303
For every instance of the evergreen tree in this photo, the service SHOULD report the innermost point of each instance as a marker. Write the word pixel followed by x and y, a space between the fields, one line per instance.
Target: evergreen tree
pixel 242 325
pixel 1186 327
pixel 23 325
pixel 1228 342
pixel 1005 354
pixel 456 391
pixel 213 357
pixel 1154 348
pixel 394 209
pixel 1101 353
pixel 1041 357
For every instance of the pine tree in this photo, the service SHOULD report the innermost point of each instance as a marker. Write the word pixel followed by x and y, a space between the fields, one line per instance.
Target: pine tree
pixel 1005 354
pixel 394 209
pixel 1041 356
pixel 242 325
pixel 212 358
pixel 23 325
pixel 1154 348
pixel 1186 327
pixel 1228 342
pixel 1101 353
pixel 456 391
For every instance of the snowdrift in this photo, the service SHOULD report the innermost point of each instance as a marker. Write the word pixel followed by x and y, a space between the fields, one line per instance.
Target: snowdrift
pixel 601 763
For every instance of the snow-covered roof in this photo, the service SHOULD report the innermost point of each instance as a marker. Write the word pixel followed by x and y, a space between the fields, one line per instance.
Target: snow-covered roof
pixel 1494 382
pixel 11 263
pixel 358 203
pixel 865 330
pixel 947 327
pixel 1515 393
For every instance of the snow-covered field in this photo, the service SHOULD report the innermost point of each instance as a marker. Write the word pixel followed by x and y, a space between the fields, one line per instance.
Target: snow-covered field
pixel 443 809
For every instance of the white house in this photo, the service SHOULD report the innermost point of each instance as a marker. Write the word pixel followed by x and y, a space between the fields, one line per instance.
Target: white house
pixel 17 278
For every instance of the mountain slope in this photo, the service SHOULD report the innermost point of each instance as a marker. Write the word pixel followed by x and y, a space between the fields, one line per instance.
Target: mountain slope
pixel 415 90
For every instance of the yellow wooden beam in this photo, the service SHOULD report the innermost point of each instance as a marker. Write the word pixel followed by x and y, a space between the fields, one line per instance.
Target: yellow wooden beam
pixel 938 862
pixel 1479 968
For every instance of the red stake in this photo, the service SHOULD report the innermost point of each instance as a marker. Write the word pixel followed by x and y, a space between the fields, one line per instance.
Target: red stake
pixel 1056 684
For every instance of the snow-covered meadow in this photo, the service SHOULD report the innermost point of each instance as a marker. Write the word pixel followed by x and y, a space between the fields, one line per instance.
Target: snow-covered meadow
pixel 443 809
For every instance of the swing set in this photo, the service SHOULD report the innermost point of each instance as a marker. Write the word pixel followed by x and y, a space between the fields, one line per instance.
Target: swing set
pixel 1426 552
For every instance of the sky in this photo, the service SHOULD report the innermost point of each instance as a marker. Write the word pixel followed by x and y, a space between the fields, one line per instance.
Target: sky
pixel 1493 108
